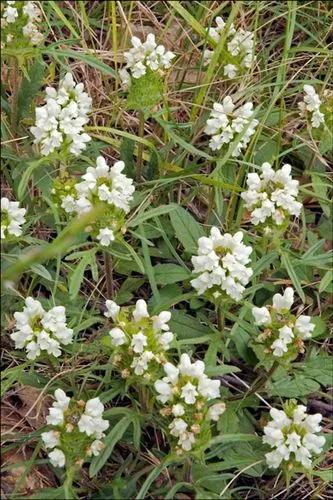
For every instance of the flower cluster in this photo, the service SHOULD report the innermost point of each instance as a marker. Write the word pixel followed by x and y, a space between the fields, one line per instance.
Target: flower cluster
pixel 78 430
pixel 185 392
pixel 292 435
pixel 143 57
pixel 39 330
pixel 138 340
pixel 19 24
pixel 12 217
pixel 60 122
pixel 221 265
pixel 271 197
pixel 226 121
pixel 283 334
pixel 311 103
pixel 100 185
pixel 239 54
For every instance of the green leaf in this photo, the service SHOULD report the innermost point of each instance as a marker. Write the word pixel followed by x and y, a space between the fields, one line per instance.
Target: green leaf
pixel 30 87
pixel 289 266
pixel 110 441
pixel 320 369
pixel 31 166
pixel 187 229
pixel 145 92
pixel 41 271
pixel 187 327
pixel 77 276
pixel 288 387
pixel 153 212
pixel 170 273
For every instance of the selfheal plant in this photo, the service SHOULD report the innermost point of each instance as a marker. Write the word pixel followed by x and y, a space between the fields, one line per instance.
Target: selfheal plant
pixel 77 430
pixel 271 198
pixel 101 186
pixel 19 25
pixel 238 56
pixel 138 340
pixel 60 122
pixel 292 433
pixel 38 330
pixel 184 392
pixel 310 106
pixel 12 218
pixel 221 266
pixel 282 333
pixel 142 76
pixel 227 123
pixel 143 57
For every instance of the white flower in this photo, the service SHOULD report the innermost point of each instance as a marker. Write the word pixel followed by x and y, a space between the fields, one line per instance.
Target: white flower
pixel 304 326
pixel 164 390
pixel 311 102
pixel 92 426
pixel 216 411
pixel 105 236
pixel 230 70
pixel 271 196
pixel 286 334
pixel 224 121
pixel 303 455
pixel 140 310
pixel 222 264
pixel 62 401
pixel 293 441
pixel 57 458
pixel 165 339
pixel 50 439
pixel 38 330
pixel 94 407
pixel 313 443
pixel 209 388
pixel 160 321
pixel 112 310
pixel 186 440
pixel 261 316
pixel 177 427
pixel 189 393
pixel 279 347
pixel 118 336
pixel 178 410
pixel 12 217
pixel 10 14
pixel 292 436
pixel 139 342
pixel 55 417
pixel 143 56
pixel 95 448
pixel 239 46
pixel 63 117
pixel 285 301
pixel 140 364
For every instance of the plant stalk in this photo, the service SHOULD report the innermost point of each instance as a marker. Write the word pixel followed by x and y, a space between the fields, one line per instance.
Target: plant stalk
pixel 15 96
pixel 108 274
pixel 140 146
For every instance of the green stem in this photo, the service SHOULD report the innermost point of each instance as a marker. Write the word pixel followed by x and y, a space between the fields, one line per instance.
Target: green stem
pixel 140 146
pixel 69 493
pixel 257 385
pixel 220 318
pixel 108 274
pixel 188 471
pixel 15 96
